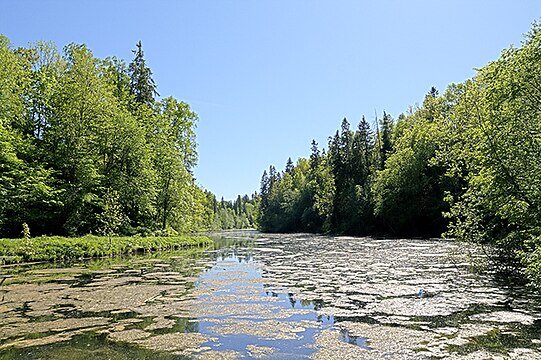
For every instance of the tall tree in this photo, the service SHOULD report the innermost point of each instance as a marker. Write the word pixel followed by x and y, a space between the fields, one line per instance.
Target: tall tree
pixel 495 148
pixel 174 153
pixel 28 191
pixel 341 158
pixel 409 191
pixel 142 85
pixel 289 165
pixel 383 140
pixel 361 172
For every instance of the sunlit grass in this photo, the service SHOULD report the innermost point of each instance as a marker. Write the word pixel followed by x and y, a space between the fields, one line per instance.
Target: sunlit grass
pixel 53 248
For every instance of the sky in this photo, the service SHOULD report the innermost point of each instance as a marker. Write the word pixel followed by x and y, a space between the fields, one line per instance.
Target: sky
pixel 268 76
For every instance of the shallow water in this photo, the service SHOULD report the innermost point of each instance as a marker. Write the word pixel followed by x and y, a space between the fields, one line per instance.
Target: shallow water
pixel 274 297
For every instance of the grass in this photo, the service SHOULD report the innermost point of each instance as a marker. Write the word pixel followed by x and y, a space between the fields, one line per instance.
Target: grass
pixel 57 248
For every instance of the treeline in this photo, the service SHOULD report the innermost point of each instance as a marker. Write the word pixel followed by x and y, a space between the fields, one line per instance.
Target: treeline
pixel 467 162
pixel 85 147
pixel 242 213
pixel 366 182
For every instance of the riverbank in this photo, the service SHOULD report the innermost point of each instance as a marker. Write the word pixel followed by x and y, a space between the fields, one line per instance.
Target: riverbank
pixel 278 296
pixel 54 248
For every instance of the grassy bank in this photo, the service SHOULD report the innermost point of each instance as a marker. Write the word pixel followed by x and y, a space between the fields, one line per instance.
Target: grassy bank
pixel 53 248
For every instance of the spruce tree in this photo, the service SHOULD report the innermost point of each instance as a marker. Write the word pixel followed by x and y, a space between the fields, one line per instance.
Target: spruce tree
pixel 142 85
pixel 384 140
pixel 289 165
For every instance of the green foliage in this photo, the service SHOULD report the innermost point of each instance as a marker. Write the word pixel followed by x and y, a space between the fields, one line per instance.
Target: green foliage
pixel 142 85
pixel 26 231
pixel 238 214
pixel 468 162
pixel 350 160
pixel 56 248
pixel 387 181
pixel 494 146
pixel 383 141
pixel 84 146
pixel 285 198
pixel 27 188
pixel 111 218
pixel 328 192
pixel 409 191
pixel 174 154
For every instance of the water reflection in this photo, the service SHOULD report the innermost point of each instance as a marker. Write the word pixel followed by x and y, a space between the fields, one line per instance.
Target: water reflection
pixel 354 340
pixel 272 296
pixel 244 314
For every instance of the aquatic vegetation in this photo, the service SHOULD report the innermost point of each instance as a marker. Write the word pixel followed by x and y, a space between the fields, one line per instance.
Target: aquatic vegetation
pixel 278 296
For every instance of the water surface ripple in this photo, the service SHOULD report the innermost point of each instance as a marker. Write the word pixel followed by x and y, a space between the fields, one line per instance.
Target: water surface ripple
pixel 274 297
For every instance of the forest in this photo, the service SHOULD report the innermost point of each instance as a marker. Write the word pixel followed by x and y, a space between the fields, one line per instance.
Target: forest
pixel 86 148
pixel 465 163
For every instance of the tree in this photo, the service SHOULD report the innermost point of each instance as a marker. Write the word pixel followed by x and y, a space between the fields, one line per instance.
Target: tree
pixel 47 65
pixel 494 147
pixel 111 217
pixel 362 178
pixel 27 191
pixel 177 121
pixel 83 143
pixel 342 157
pixel 289 165
pixel 117 74
pixel 322 190
pixel 174 154
pixel 27 188
pixel 142 85
pixel 383 140
pixel 409 192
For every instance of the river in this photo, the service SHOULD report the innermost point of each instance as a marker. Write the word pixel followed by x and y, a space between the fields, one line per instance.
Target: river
pixel 271 296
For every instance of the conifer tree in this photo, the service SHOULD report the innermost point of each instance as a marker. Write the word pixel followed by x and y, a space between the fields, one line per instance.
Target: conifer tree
pixel 289 165
pixel 142 85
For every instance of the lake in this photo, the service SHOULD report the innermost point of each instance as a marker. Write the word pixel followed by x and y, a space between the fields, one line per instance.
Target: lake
pixel 271 296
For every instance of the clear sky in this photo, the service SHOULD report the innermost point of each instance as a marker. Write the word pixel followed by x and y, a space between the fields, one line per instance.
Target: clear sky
pixel 268 76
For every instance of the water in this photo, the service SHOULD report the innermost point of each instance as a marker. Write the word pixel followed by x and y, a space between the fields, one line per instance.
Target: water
pixel 270 296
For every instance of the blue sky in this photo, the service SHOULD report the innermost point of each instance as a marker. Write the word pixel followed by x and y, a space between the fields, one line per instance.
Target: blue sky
pixel 268 76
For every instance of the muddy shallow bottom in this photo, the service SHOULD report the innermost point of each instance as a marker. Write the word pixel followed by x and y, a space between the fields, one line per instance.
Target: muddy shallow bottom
pixel 272 297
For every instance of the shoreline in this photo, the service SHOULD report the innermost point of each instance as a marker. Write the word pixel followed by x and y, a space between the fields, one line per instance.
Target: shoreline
pixel 58 248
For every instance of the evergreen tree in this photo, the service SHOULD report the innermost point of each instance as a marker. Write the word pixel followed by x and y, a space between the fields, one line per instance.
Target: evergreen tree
pixel 383 141
pixel 362 167
pixel 341 160
pixel 315 154
pixel 142 85
pixel 78 156
pixel 409 192
pixel 265 187
pixel 365 146
pixel 289 165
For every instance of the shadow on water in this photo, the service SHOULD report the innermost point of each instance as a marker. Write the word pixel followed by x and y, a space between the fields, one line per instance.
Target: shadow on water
pixel 87 346
pixel 500 341
pixel 277 293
